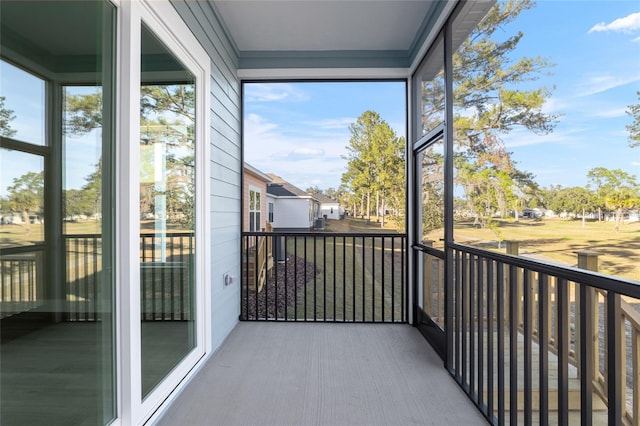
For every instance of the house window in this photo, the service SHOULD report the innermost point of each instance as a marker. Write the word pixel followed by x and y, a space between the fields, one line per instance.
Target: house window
pixel 254 209
pixel 270 205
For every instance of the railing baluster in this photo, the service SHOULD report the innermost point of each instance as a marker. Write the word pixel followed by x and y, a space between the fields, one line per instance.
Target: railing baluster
pixel 373 279
pixel 255 274
pixel 562 318
pixel 528 336
pixel 472 329
pixel 490 348
pixel 500 326
pixel 324 278
pixel 315 278
pixel 586 355
pixel 286 279
pixel 615 378
pixel 344 280
pixel 393 279
pixel 513 345
pixel 295 274
pixel 95 278
pixel 353 273
pixel 480 314
pixel 305 277
pixel 364 297
pixel 266 286
pixel 635 385
pixel 334 280
pixel 543 343
pixel 465 320
pixel 382 298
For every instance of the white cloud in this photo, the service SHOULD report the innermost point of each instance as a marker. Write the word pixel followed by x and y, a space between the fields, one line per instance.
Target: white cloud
pixel 299 158
pixel 635 163
pixel 601 83
pixel 627 24
pixel 274 92
pixel 306 152
pixel 609 113
pixel 520 138
pixel 636 40
pixel 333 123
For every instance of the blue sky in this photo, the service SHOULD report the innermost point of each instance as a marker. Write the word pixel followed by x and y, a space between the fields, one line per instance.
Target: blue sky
pixel 300 130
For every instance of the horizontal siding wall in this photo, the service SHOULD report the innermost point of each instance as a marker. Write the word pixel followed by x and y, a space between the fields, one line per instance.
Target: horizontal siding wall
pixel 225 164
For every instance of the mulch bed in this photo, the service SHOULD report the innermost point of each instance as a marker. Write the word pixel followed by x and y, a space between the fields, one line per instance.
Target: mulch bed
pixel 275 295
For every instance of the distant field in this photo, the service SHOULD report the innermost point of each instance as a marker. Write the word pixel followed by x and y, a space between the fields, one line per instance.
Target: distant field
pixel 552 240
pixel 557 240
pixel 17 235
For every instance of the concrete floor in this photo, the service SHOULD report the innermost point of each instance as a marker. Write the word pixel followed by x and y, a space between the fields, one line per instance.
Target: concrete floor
pixel 322 374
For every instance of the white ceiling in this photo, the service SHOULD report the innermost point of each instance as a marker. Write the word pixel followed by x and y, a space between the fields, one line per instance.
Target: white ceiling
pixel 323 25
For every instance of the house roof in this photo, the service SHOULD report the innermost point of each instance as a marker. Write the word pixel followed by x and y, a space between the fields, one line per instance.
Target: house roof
pixel 248 168
pixel 281 188
pixel 324 199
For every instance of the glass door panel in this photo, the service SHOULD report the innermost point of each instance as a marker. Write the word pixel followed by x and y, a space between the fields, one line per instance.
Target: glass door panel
pixel 167 211
pixel 57 337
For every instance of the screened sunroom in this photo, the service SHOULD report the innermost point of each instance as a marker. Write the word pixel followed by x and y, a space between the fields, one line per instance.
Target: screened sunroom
pixel 131 294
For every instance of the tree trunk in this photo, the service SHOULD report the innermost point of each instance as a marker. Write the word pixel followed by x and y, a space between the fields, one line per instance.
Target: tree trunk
pixel 377 206
pixel 27 222
pixel 368 206
pixel 583 224
pixel 384 210
pixel 618 219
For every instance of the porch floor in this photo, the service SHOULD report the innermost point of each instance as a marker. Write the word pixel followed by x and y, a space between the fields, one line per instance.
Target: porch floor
pixel 322 374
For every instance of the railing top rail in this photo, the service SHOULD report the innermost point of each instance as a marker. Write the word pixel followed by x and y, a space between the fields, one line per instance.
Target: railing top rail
pixel 593 279
pixel 22 249
pixel 145 235
pixel 323 234
pixel 429 250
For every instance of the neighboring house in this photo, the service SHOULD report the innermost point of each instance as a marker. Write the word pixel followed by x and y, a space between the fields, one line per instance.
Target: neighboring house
pixel 329 208
pixel 293 209
pixel 254 190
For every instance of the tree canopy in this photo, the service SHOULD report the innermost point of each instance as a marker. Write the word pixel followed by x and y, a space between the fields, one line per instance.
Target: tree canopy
pixel 634 128
pixel 375 162
pixel 6 117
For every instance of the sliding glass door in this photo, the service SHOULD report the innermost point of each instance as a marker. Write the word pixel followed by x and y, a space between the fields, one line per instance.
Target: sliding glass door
pixel 167 210
pixel 57 291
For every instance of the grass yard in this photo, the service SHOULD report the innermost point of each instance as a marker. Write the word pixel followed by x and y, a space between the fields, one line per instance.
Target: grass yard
pixel 357 279
pixel 558 240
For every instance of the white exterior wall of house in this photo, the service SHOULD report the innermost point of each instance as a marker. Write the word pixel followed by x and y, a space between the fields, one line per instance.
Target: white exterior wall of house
pixel 330 210
pixel 293 213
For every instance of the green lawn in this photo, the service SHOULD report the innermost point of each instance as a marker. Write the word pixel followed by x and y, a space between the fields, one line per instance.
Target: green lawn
pixel 558 240
pixel 357 279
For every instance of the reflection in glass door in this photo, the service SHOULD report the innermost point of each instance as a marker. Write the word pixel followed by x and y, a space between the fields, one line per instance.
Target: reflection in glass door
pixel 167 211
pixel 57 336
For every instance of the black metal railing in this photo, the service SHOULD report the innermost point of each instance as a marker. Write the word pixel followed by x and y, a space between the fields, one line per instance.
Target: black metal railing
pixel 329 277
pixel 532 342
pixel 83 267
pixel 21 279
pixel 166 278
